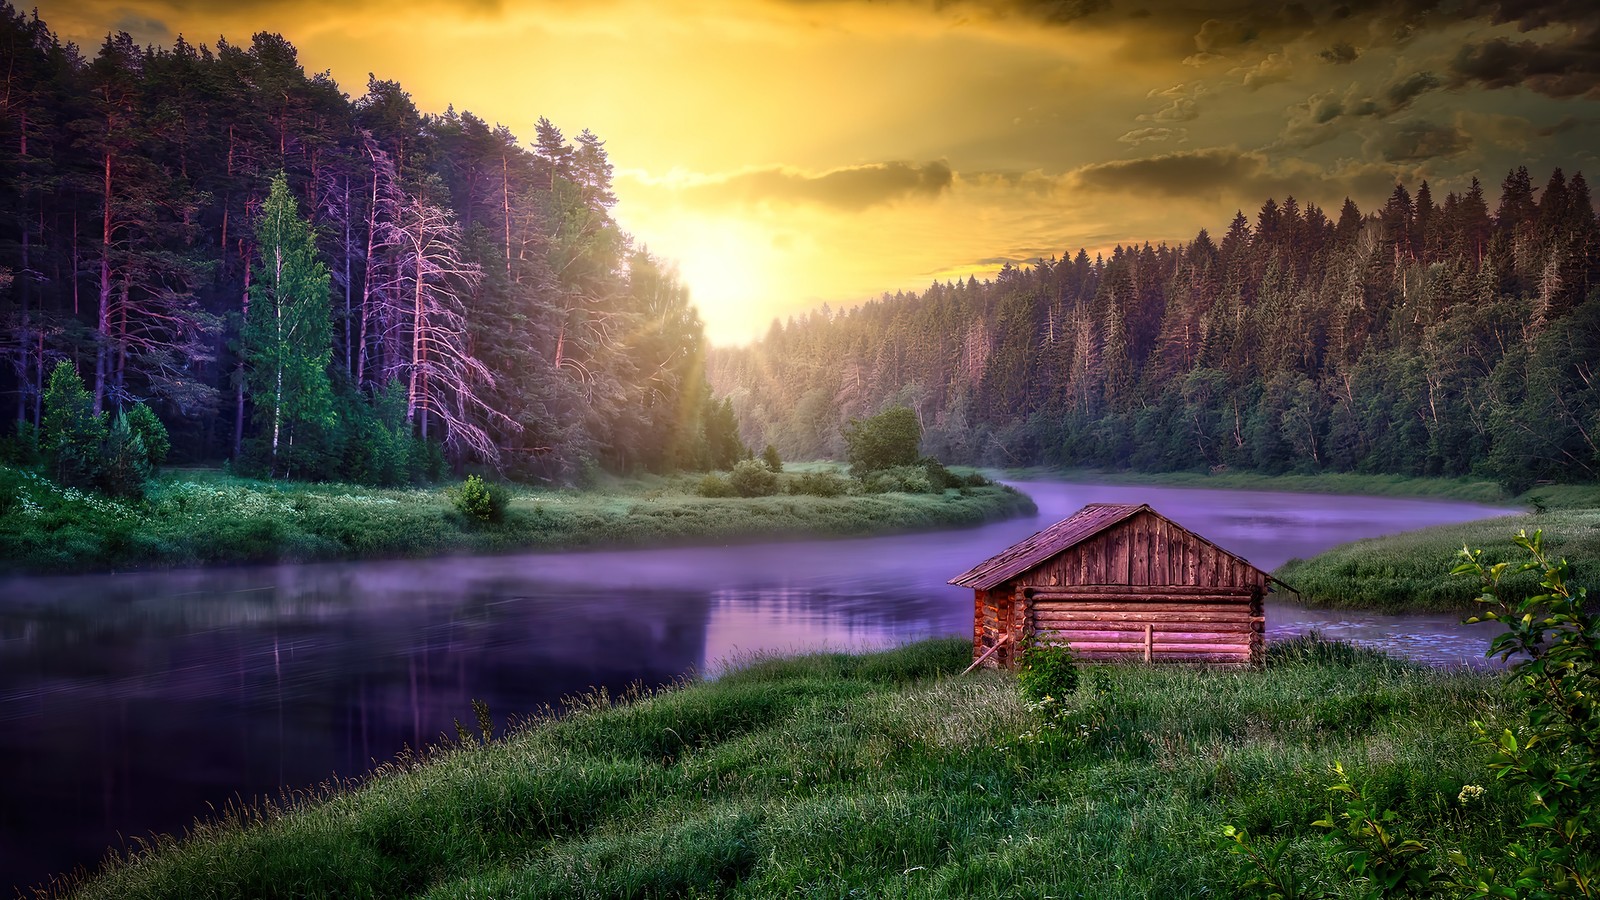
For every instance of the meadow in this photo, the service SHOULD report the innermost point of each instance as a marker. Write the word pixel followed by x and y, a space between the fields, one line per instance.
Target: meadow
pixel 204 517
pixel 882 775
pixel 1400 573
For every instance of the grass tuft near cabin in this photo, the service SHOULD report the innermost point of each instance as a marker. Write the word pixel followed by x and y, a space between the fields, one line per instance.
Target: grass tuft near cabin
pixel 881 775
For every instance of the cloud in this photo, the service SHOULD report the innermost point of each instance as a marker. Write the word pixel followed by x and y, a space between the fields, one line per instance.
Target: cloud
pixel 1419 141
pixel 1342 52
pixel 1566 66
pixel 851 189
pixel 1147 135
pixel 1219 174
pixel 1181 104
pixel 1327 115
pixel 1275 68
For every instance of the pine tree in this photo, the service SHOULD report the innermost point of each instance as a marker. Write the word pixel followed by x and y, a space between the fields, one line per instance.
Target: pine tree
pixel 72 432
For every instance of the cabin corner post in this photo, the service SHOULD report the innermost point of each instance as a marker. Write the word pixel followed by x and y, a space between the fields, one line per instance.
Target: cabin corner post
pixel 1258 627
pixel 979 631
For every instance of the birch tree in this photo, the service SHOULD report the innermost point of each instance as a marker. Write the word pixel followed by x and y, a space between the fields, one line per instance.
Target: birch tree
pixel 288 336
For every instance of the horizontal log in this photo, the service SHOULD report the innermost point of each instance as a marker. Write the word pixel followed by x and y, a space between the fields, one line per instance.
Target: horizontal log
pixel 1077 632
pixel 1070 591
pixel 1160 648
pixel 1237 616
pixel 1191 603
pixel 1232 660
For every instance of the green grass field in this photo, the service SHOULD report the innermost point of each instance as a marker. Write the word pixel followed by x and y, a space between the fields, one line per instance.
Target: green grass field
pixel 200 517
pixel 882 775
pixel 1403 573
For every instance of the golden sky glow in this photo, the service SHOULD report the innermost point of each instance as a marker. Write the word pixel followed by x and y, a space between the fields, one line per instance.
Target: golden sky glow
pixel 792 152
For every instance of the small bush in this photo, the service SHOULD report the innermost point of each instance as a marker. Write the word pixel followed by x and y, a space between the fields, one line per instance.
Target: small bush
pixel 772 459
pixel 714 485
pixel 900 479
pixel 819 484
pixel 479 499
pixel 752 478
pixel 939 477
pixel 147 425
pixel 1046 671
pixel 125 464
pixel 21 448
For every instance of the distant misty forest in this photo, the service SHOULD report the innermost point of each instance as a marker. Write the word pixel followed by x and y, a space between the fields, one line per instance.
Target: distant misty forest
pixel 1426 337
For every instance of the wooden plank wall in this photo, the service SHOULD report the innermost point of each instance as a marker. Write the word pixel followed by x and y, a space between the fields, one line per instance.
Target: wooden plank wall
pixel 1219 629
pixel 1143 550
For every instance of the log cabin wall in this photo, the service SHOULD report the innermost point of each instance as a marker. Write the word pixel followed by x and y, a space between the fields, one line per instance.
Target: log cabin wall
pixel 1142 589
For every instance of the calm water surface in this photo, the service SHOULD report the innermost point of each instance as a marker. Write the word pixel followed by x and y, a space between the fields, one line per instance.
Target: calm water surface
pixel 134 703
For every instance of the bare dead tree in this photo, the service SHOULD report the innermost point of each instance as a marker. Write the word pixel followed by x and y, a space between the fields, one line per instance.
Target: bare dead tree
pixel 444 378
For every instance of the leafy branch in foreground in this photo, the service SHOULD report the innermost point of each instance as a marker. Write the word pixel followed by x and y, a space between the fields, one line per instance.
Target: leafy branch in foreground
pixel 1550 647
pixel 1550 642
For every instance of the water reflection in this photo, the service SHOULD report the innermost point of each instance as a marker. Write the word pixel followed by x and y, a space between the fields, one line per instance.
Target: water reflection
pixel 132 703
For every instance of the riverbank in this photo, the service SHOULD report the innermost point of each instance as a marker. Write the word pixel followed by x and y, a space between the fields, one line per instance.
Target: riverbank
pixel 1467 490
pixel 203 517
pixel 884 775
pixel 1405 573
pixel 1402 573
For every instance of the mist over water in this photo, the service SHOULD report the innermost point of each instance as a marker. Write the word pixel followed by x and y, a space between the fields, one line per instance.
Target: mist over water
pixel 134 703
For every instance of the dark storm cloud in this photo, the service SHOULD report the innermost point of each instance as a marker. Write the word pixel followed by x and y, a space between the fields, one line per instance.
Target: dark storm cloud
pixel 1567 66
pixel 1208 172
pixel 1418 141
pixel 1341 52
pixel 851 189
pixel 1218 174
pixel 1323 117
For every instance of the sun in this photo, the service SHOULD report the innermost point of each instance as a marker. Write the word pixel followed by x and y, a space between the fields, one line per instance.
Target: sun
pixel 727 265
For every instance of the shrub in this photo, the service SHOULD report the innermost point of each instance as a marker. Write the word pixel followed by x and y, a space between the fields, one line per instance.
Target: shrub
pixel 1046 673
pixel 900 479
pixel 819 484
pixel 22 447
pixel 771 458
pixel 714 485
pixel 939 477
pixel 888 439
pixel 752 478
pixel 125 463
pixel 147 425
pixel 479 499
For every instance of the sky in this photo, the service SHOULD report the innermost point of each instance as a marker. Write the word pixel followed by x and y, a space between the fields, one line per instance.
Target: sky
pixel 789 153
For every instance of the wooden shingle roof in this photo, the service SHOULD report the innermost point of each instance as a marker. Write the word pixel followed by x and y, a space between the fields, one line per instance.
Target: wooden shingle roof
pixel 1043 545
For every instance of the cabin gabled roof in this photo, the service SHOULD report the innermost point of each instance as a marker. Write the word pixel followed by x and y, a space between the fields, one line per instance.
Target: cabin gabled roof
pixel 1043 545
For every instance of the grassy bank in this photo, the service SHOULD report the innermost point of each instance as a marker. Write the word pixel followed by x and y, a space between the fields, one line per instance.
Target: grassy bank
pixel 882 775
pixel 204 517
pixel 1463 489
pixel 1402 573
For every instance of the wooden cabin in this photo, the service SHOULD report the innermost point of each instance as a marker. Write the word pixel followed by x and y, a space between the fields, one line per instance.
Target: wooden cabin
pixel 1119 582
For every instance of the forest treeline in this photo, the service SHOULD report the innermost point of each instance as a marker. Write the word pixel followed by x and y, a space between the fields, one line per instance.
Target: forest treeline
pixel 475 301
pixel 1421 338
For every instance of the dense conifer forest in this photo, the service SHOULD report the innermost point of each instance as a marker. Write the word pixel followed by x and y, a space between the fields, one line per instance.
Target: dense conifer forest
pixel 1426 337
pixel 325 287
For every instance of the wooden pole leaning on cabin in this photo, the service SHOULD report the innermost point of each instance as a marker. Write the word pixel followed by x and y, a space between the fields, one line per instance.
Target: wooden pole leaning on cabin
pixel 987 653
pixel 1149 640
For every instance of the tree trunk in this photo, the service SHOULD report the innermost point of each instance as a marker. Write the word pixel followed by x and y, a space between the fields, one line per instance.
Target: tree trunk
pixel 103 321
pixel 238 409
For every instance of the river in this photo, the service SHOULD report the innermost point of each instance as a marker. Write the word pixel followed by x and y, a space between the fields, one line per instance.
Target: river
pixel 133 703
